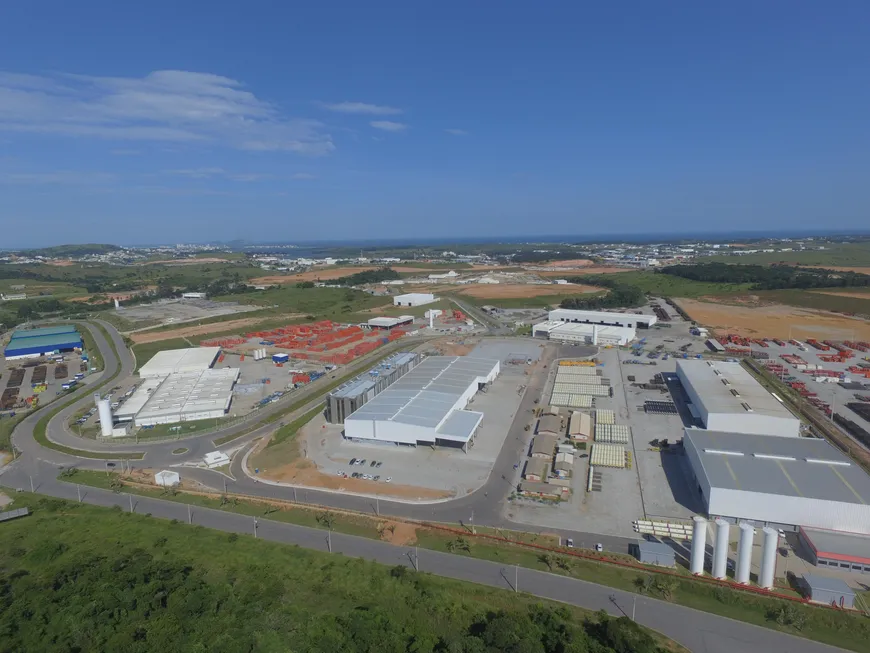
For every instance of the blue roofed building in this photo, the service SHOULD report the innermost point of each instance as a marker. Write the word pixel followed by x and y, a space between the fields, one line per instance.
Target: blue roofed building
pixel 44 341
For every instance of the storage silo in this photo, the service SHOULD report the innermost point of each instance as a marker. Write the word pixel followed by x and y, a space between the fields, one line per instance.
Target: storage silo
pixel 744 553
pixel 768 557
pixel 105 411
pixel 720 549
pixel 699 544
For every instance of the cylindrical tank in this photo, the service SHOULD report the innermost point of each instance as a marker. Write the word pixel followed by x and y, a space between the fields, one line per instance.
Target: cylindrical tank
pixel 720 549
pixel 699 544
pixel 768 558
pixel 744 553
pixel 97 399
pixel 105 410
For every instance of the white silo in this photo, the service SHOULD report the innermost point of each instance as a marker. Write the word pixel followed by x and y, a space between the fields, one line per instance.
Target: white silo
pixel 105 410
pixel 768 558
pixel 744 553
pixel 720 549
pixel 97 399
pixel 699 544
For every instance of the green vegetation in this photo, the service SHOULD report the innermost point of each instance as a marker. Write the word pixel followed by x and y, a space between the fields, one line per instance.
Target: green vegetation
pixel 774 277
pixel 290 430
pixel 180 450
pixel 620 294
pixel 95 358
pixel 7 425
pixel 72 251
pixel 320 303
pixel 367 276
pixel 818 300
pixel 842 629
pixel 172 587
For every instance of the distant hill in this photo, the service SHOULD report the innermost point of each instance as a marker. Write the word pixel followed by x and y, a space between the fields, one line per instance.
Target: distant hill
pixel 72 251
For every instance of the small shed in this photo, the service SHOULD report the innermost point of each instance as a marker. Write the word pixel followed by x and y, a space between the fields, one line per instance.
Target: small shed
pixel 544 446
pixel 536 470
pixel 551 425
pixel 564 462
pixel 216 459
pixel 167 478
pixel 832 591
pixel 655 553
pixel 580 426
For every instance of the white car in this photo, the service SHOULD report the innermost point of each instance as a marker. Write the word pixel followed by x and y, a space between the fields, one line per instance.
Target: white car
pixel 389 479
pixel 599 547
pixel 341 473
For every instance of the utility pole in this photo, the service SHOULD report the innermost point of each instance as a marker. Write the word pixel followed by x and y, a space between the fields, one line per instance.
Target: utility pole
pixel 329 540
pixel 31 485
pixel 377 505
pixel 189 515
pixel 225 486
pixel 255 528
pixel 79 491
pixel 294 496
pixel 633 607
pixel 516 578
pixel 131 502
pixel 416 559
pixel 473 531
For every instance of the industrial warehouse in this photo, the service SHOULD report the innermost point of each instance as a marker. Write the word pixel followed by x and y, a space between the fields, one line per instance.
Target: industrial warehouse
pixel 781 481
pixel 725 397
pixel 351 396
pixel 33 343
pixel 426 406
pixel 592 327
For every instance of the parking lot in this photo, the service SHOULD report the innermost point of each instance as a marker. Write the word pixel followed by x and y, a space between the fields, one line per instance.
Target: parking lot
pixel 30 386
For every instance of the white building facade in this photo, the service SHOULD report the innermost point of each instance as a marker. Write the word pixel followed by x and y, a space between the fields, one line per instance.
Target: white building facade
pixel 413 299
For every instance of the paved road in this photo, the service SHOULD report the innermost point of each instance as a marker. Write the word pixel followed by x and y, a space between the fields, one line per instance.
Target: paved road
pixel 698 631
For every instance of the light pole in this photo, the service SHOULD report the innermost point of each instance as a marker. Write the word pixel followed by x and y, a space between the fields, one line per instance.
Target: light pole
pixel 31 484
pixel 255 528
pixel 516 578
pixel 79 492
pixel 329 540
pixel 189 515
pixel 633 607
pixel 131 502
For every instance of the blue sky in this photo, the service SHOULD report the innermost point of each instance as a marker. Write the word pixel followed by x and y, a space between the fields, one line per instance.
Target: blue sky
pixel 195 121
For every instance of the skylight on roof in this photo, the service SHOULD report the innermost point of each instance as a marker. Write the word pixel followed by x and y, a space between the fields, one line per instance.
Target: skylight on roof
pixel 820 461
pixel 724 452
pixel 770 456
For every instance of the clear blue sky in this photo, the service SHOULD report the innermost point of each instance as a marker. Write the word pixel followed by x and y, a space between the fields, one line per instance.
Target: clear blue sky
pixel 180 121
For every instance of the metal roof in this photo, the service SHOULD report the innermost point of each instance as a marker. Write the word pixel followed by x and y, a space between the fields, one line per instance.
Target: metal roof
pixel 797 467
pixel 459 425
pixel 657 548
pixel 834 544
pixel 545 444
pixel 43 331
pixel 714 382
pixel 365 381
pixel 190 392
pixel 172 361
pixel 45 342
pixel 828 584
pixel 426 394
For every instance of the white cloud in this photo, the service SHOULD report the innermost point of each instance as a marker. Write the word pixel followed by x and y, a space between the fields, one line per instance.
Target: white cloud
pixel 457 132
pixel 388 125
pixel 362 108
pixel 165 105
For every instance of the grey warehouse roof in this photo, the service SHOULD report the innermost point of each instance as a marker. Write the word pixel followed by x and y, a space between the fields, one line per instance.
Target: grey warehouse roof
pixel 827 584
pixel 852 545
pixel 365 382
pixel 713 382
pixel 797 467
pixel 459 425
pixel 425 395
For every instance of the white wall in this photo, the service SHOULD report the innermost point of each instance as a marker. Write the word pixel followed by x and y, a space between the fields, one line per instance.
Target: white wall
pixel 752 423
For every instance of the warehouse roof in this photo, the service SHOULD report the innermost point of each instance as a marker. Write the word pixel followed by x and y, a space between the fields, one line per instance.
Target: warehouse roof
pixel 606 317
pixel 550 424
pixel 836 545
pixel 190 392
pixel 44 331
pixel 656 548
pixel 797 467
pixel 726 387
pixel 426 395
pixel 545 444
pixel 174 361
pixel 459 425
pixel 45 342
pixel 828 584
pixel 366 381
pixel 387 322
pixel 536 467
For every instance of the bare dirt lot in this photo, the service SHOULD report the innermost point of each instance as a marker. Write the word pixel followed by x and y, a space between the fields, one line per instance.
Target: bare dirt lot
pixel 859 270
pixel 502 290
pixel 601 269
pixel 323 274
pixel 571 263
pixel 773 320
pixel 183 332
pixel 856 294
pixel 187 261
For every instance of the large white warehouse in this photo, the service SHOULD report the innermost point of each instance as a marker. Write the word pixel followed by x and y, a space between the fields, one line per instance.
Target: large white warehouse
pixel 585 334
pixel 728 398
pixel 174 361
pixel 603 318
pixel 779 481
pixel 186 397
pixel 413 299
pixel 427 405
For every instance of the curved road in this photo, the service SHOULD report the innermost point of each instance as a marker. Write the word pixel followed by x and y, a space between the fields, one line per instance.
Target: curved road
pixel 698 631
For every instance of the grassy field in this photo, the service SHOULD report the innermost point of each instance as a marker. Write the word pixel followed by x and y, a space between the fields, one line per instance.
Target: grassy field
pixel 664 285
pixel 170 586
pixel 323 303
pixel 835 254
pixel 836 628
pixel 543 301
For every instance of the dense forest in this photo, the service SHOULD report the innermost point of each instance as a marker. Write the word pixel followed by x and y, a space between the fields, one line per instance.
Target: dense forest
pixel 763 277
pixel 619 295
pixel 131 584
pixel 367 276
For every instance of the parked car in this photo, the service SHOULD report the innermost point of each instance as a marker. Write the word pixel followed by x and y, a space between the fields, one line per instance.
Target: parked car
pixel 353 461
pixel 598 547
pixel 362 462
pixel 389 479
pixel 569 543
pixel 373 463
pixel 380 462
pixel 377 478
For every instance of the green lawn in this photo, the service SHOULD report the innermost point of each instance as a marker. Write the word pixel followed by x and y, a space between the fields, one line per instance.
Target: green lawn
pixel 135 584
pixel 664 285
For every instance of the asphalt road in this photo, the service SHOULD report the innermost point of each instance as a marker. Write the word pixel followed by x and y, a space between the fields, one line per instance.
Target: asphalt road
pixel 698 631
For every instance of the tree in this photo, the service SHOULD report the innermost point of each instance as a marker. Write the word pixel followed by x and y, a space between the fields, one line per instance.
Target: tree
pixel 548 559
pixel 25 311
pixel 326 519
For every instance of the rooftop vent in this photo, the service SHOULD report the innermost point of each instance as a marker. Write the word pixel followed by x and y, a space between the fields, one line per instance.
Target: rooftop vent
pixel 734 392
pixel 746 406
